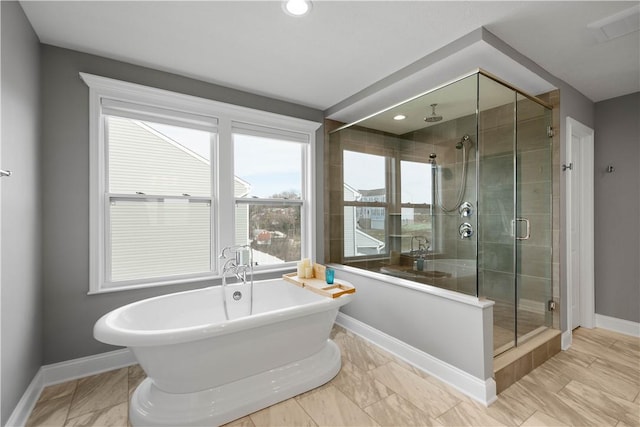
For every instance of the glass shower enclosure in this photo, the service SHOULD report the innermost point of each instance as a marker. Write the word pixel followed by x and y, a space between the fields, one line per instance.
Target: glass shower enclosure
pixel 452 189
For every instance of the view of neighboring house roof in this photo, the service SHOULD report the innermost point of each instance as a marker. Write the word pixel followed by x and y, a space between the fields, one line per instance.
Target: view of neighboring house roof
pixel 171 141
pixel 262 258
pixel 350 193
pixel 364 240
pixel 374 192
pixel 242 187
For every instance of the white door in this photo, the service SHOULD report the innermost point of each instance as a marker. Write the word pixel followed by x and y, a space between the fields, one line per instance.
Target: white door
pixel 579 174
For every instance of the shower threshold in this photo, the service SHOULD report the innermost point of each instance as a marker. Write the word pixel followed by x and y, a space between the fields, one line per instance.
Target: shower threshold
pixel 521 340
pixel 517 362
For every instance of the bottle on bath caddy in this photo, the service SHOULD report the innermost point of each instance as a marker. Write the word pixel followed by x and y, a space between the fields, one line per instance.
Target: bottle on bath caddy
pixel 304 269
pixel 419 264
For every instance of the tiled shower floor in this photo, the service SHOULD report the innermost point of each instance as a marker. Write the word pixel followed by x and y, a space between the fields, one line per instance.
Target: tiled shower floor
pixel 596 382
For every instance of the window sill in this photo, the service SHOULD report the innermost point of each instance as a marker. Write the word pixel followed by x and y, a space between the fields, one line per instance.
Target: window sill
pixel 265 273
pixel 155 284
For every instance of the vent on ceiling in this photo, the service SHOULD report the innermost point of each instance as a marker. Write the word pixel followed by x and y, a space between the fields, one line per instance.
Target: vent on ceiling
pixel 617 25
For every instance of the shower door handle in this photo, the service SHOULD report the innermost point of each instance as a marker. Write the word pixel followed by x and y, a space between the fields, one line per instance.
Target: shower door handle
pixel 527 228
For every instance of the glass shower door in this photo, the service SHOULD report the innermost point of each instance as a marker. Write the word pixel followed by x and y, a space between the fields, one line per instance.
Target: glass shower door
pixel 514 252
pixel 533 234
pixel 496 245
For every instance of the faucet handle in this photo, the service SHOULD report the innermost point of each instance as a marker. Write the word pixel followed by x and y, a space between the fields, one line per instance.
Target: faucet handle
pixel 238 251
pixel 223 254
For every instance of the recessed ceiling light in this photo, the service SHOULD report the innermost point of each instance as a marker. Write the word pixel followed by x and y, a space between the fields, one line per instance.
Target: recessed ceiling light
pixel 296 7
pixel 399 117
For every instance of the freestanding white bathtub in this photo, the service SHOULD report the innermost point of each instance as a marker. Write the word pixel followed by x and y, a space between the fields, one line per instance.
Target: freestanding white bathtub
pixel 205 370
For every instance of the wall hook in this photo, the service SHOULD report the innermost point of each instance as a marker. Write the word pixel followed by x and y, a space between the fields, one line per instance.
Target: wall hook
pixel 610 169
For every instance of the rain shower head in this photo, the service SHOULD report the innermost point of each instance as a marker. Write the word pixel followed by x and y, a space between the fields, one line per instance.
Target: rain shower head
pixel 433 117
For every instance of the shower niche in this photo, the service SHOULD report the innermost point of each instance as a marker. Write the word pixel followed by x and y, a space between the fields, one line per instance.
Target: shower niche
pixel 452 189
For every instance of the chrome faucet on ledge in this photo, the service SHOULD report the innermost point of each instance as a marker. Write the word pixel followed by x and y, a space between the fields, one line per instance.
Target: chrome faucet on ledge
pixel 239 264
pixel 423 246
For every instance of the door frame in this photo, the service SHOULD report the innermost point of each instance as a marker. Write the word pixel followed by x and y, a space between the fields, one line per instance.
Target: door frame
pixel 581 177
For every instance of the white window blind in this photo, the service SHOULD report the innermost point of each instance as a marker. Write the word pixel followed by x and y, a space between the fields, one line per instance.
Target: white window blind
pixel 113 107
pixel 159 182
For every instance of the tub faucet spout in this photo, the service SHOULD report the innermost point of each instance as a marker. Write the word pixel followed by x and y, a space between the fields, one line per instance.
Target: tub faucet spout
pixel 423 246
pixel 239 265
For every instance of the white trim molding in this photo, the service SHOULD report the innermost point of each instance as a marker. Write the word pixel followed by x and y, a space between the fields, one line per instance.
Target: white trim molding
pixel 483 391
pixel 621 326
pixel 579 179
pixel 27 402
pixel 566 340
pixel 66 371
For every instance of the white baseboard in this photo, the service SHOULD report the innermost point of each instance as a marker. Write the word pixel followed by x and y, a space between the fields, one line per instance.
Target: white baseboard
pixel 566 339
pixel 621 326
pixel 66 371
pixel 27 402
pixel 85 366
pixel 483 391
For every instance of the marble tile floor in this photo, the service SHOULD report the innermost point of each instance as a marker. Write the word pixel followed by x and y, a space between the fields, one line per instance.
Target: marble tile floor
pixel 595 383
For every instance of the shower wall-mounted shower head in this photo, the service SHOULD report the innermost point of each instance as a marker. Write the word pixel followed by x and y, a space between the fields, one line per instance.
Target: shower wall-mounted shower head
pixel 433 117
pixel 460 144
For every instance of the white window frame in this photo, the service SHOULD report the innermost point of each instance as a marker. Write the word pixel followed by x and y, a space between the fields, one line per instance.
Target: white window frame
pixel 387 205
pixel 190 108
pixel 308 186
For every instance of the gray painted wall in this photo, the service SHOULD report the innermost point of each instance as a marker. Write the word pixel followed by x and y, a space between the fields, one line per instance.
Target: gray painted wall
pixel 20 239
pixel 69 313
pixel 617 203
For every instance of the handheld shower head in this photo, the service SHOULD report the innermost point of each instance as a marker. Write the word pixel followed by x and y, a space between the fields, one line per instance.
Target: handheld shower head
pixel 433 117
pixel 460 144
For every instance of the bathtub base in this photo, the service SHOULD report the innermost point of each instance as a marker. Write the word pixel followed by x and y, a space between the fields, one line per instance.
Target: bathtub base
pixel 151 406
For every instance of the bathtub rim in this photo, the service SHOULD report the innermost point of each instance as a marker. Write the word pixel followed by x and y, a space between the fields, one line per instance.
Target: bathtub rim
pixel 107 330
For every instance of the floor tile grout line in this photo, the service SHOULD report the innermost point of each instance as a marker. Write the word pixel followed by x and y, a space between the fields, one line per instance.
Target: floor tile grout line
pixel 301 407
pixel 73 396
pixel 448 410
pixel 368 371
pixel 600 391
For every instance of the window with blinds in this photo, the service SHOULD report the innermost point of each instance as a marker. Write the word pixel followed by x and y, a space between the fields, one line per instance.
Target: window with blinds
pixel 175 178
pixel 159 194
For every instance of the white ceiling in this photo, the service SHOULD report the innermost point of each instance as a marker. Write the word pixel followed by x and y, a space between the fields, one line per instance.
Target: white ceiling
pixel 341 47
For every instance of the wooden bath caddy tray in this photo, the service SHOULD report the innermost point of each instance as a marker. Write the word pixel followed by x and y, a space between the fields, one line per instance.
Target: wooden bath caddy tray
pixel 318 283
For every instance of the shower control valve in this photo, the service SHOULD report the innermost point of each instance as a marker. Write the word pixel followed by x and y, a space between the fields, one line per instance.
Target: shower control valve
pixel 465 230
pixel 465 209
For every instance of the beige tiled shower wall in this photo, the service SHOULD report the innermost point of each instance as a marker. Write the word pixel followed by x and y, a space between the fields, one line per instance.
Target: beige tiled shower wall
pixel 332 181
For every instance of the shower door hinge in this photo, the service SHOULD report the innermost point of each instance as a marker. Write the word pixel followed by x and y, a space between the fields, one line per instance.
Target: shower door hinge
pixel 551 305
pixel 550 131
